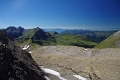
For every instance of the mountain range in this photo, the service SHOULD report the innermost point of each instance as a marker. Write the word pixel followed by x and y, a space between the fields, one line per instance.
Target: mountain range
pixel 75 37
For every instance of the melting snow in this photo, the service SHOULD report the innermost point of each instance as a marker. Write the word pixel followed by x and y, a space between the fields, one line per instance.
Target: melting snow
pixel 50 71
pixel 79 77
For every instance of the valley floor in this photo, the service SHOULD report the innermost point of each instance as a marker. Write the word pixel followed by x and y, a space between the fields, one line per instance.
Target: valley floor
pixel 92 64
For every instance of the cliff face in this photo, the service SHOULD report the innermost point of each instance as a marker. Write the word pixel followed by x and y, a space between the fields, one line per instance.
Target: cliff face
pixel 16 64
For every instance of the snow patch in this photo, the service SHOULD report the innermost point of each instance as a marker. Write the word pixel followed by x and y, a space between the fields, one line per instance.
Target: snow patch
pixel 26 47
pixel 46 77
pixel 30 52
pixel 79 77
pixel 50 71
pixel 85 49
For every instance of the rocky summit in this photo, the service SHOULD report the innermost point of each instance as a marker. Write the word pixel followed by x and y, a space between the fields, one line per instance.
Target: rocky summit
pixel 16 64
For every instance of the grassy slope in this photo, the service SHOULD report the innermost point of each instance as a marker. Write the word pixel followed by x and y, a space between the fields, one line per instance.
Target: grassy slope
pixel 110 41
pixel 58 39
pixel 74 40
pixel 27 35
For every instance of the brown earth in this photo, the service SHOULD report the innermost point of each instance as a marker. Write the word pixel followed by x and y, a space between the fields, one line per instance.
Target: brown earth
pixel 93 64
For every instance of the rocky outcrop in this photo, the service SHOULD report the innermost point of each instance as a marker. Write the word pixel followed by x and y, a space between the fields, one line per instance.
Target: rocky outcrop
pixel 16 64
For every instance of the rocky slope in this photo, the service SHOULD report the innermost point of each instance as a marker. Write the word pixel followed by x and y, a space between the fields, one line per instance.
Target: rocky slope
pixel 16 64
pixel 92 64
pixel 111 42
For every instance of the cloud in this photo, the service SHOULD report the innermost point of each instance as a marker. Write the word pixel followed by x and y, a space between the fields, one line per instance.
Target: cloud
pixel 83 25
pixel 0 22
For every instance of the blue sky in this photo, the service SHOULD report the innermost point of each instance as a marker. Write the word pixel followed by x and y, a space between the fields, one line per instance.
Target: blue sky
pixel 70 14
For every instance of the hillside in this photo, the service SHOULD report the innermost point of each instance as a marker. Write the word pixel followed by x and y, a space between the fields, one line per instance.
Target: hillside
pixel 111 42
pixel 74 40
pixel 37 36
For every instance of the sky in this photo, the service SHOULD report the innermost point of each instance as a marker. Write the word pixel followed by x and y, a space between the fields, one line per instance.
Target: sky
pixel 66 14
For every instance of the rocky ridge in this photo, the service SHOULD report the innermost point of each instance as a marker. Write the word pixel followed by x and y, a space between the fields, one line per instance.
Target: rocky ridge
pixel 16 64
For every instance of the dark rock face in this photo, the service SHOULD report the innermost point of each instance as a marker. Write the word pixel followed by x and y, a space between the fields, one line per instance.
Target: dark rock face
pixel 16 64
pixel 14 32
